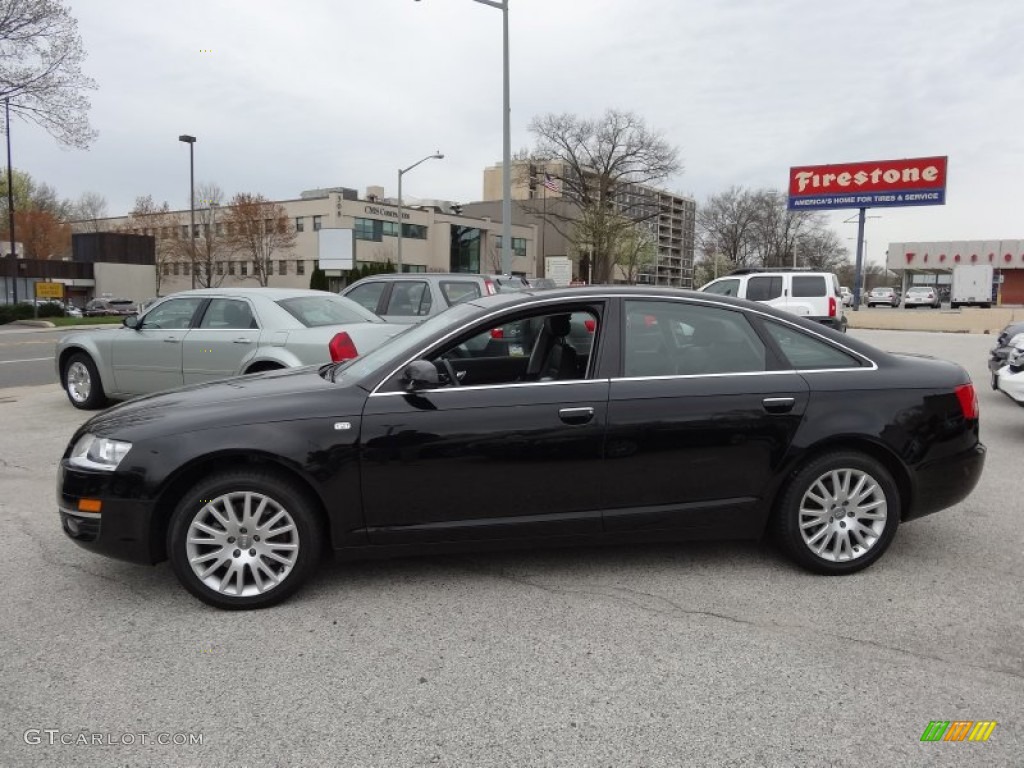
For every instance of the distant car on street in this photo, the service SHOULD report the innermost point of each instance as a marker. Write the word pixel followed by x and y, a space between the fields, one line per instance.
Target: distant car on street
pixel 109 307
pixel 883 297
pixel 922 296
pixel 1001 351
pixel 847 295
pixel 1010 378
pixel 197 336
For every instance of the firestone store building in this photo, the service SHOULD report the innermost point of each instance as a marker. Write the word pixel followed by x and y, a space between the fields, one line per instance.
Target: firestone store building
pixel 933 264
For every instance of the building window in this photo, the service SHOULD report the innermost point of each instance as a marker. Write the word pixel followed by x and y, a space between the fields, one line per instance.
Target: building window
pixel 368 229
pixel 231 267
pixel 268 225
pixel 184 268
pixel 300 267
pixel 518 245
pixel 163 233
pixel 175 268
pixel 300 224
pixel 414 231
pixel 389 228
pixel 184 231
pixel 243 268
pixel 316 223
pixel 270 268
pixel 195 231
pixel 282 267
pixel 167 268
pixel 220 267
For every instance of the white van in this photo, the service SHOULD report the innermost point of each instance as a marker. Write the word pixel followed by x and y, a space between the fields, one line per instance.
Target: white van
pixel 814 295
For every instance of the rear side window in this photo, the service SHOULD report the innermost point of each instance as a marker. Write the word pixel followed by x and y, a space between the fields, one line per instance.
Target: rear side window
pixel 409 298
pixel 764 288
pixel 723 288
pixel 455 291
pixel 809 285
pixel 227 314
pixel 804 352
pixel 314 311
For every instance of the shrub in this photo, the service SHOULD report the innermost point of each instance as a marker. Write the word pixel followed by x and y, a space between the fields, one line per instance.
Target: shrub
pixel 11 312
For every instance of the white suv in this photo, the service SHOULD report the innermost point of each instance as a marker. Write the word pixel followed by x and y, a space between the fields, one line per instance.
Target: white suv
pixel 814 295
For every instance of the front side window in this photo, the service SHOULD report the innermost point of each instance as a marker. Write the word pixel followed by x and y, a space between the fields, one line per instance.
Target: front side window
pixel 764 288
pixel 367 295
pixel 173 314
pixel 409 298
pixel 804 352
pixel 672 338
pixel 233 314
pixel 730 287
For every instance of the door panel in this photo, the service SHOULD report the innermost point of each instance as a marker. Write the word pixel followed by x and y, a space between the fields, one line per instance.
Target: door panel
pixel 149 358
pixel 490 462
pixel 226 337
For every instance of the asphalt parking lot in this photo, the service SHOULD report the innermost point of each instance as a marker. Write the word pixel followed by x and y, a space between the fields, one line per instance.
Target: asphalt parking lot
pixel 717 654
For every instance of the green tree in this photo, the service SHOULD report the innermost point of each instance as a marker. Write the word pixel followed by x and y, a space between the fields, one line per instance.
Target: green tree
pixel 318 280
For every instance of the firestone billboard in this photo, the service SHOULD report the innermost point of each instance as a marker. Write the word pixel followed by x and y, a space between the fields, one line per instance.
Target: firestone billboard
pixel 914 181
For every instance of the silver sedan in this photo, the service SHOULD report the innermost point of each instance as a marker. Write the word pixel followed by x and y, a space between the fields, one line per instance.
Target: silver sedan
pixel 207 334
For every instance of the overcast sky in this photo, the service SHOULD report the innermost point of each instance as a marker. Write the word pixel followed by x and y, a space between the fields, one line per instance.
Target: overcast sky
pixel 314 93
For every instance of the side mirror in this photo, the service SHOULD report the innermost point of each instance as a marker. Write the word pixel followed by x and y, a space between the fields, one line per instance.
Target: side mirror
pixel 420 374
pixel 132 321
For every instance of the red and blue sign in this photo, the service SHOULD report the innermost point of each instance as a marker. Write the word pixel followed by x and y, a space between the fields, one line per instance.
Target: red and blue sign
pixel 914 181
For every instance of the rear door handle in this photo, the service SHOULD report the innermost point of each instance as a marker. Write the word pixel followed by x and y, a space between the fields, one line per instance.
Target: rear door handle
pixel 171 340
pixel 778 404
pixel 576 415
pixel 241 340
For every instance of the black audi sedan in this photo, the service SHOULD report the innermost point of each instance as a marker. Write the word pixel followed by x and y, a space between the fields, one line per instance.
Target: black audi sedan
pixel 626 414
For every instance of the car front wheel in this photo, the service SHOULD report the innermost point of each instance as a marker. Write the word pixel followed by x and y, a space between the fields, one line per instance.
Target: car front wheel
pixel 838 513
pixel 244 539
pixel 82 383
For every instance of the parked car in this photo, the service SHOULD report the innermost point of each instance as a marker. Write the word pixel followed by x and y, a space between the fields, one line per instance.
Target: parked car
pixel 683 415
pixel 883 297
pixel 109 307
pixel 1001 351
pixel 1010 378
pixel 413 297
pixel 922 296
pixel 814 295
pixel 212 333
pixel 847 295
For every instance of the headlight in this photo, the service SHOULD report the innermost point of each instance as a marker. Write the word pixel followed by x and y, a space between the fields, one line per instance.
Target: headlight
pixel 92 452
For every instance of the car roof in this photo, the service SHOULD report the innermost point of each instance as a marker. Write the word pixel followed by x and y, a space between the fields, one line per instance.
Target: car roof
pixel 274 294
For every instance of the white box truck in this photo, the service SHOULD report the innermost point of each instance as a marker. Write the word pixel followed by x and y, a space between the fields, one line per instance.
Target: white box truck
pixel 971 286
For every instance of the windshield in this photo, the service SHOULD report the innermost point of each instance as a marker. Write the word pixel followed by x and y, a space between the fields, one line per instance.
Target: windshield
pixel 403 344
pixel 917 291
pixel 329 309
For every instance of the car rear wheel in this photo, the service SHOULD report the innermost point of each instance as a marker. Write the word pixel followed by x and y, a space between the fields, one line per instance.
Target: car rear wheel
pixel 244 539
pixel 82 383
pixel 838 513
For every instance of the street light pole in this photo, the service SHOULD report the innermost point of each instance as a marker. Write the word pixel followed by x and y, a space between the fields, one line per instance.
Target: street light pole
pixel 191 141
pixel 401 172
pixel 506 128
pixel 10 194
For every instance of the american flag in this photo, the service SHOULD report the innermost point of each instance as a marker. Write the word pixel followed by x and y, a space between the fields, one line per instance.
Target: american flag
pixel 550 183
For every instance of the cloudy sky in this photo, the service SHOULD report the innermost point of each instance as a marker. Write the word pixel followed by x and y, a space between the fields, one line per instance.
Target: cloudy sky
pixel 290 96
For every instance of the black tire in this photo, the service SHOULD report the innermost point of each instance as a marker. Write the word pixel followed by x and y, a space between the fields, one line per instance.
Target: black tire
pixel 200 503
pixel 995 380
pixel 836 525
pixel 85 389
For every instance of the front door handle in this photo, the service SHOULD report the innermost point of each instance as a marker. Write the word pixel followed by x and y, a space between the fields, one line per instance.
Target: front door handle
pixel 171 340
pixel 241 340
pixel 778 404
pixel 576 415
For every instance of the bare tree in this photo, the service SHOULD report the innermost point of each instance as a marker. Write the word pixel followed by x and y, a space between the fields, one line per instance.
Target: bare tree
pixel 724 225
pixel 40 69
pixel 211 242
pixel 257 229
pixel 150 218
pixel 88 210
pixel 607 165
pixel 820 249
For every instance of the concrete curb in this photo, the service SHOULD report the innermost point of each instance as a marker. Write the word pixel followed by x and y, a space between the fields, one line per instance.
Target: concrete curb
pixel 967 320
pixel 33 323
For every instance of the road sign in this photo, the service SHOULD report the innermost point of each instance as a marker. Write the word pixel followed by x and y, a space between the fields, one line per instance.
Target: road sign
pixel 49 290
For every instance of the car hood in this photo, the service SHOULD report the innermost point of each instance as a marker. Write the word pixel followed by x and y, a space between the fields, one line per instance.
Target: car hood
pixel 285 395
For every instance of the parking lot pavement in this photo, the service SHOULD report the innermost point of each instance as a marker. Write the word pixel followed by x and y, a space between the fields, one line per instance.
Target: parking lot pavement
pixel 671 655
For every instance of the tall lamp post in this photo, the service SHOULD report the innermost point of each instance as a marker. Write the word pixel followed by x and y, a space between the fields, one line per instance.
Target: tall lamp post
pixel 10 194
pixel 191 141
pixel 506 161
pixel 401 173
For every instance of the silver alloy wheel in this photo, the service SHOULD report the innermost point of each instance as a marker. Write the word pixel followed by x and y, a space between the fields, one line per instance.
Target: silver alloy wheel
pixel 242 544
pixel 843 514
pixel 79 382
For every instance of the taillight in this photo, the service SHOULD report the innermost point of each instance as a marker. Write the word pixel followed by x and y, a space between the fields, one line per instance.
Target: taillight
pixel 489 287
pixel 968 400
pixel 650 321
pixel 342 348
pixel 590 325
pixel 497 333
pixel 831 306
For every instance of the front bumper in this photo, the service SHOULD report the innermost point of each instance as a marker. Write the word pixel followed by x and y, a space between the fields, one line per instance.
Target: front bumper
pixel 941 484
pixel 122 529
